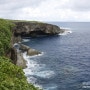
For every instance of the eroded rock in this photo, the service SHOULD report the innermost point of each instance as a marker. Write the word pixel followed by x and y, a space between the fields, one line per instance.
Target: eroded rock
pixel 32 52
pixel 21 62
pixel 35 29
pixel 24 48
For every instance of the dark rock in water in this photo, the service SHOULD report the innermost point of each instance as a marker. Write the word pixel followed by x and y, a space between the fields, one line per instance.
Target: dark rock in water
pixel 29 50
pixel 32 52
pixel 35 29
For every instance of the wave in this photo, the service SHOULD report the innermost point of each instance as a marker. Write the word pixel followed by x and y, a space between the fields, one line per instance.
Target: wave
pixel 39 86
pixel 25 40
pixel 35 70
pixel 15 44
pixel 66 31
pixel 51 87
pixel 45 74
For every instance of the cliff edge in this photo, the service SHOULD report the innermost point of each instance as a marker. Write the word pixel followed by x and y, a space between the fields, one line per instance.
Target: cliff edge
pixel 34 29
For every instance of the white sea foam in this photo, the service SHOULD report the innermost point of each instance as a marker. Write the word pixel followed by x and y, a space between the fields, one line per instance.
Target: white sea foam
pixel 25 40
pixel 15 44
pixel 70 69
pixel 33 68
pixel 66 31
pixel 51 87
pixel 32 79
pixel 42 53
pixel 39 86
pixel 45 74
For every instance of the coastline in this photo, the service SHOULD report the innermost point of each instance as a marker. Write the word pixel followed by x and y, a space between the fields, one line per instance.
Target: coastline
pixel 33 30
pixel 12 76
pixel 22 49
pixel 28 70
pixel 12 50
pixel 26 52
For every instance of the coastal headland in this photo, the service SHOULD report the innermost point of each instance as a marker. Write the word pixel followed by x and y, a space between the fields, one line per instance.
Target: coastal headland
pixel 12 32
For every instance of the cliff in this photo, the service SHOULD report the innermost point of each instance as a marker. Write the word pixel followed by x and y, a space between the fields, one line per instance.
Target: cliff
pixel 12 76
pixel 29 29
pixel 34 29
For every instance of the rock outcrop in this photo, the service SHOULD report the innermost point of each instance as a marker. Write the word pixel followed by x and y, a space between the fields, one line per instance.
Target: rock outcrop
pixel 20 60
pixel 24 48
pixel 34 29
pixel 17 57
pixel 30 51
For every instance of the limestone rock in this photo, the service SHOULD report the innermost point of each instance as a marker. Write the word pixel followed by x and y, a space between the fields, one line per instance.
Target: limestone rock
pixel 24 48
pixel 35 29
pixel 32 52
pixel 20 60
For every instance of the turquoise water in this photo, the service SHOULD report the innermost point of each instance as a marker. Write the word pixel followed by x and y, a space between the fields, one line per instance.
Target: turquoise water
pixel 65 62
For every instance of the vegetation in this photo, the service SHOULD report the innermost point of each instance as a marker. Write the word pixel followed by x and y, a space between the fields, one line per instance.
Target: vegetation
pixel 25 21
pixel 5 36
pixel 11 76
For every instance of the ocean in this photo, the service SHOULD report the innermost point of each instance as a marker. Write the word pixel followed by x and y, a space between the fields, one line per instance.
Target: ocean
pixel 65 60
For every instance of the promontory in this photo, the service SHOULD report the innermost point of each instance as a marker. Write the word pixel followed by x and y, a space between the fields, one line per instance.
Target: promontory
pixel 11 60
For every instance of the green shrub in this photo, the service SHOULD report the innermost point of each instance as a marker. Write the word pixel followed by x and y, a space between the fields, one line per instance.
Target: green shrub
pixel 5 35
pixel 12 77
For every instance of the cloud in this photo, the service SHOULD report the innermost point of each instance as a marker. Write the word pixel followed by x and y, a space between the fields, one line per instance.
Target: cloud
pixel 83 5
pixel 46 10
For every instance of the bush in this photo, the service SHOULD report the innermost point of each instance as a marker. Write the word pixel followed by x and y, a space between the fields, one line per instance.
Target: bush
pixel 12 77
pixel 5 35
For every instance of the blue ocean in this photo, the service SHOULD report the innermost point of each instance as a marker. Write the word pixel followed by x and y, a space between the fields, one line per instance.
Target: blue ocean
pixel 65 60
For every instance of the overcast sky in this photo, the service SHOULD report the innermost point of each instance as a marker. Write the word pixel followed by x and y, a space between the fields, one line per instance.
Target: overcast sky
pixel 46 10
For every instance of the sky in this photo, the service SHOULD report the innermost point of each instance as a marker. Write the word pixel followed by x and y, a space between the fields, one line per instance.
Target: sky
pixel 46 10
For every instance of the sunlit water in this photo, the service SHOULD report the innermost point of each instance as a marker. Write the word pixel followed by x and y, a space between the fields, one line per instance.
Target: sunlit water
pixel 65 61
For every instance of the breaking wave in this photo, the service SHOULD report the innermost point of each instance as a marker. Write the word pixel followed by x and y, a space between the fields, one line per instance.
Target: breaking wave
pixel 65 31
pixel 35 70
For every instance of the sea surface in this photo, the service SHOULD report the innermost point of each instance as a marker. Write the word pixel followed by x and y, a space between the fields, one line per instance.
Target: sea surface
pixel 65 60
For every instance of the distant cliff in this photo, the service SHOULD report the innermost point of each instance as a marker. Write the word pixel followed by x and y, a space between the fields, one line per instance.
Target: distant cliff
pixel 34 29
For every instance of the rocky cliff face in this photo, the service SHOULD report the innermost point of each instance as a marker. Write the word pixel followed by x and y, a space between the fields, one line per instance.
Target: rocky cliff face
pixel 34 29
pixel 29 29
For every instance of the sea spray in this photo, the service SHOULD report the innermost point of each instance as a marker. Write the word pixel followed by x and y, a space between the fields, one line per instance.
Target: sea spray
pixel 25 40
pixel 31 65
pixel 35 70
pixel 65 31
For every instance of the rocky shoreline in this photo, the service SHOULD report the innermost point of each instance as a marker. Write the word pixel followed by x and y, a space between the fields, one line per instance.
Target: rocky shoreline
pixel 29 29
pixel 21 62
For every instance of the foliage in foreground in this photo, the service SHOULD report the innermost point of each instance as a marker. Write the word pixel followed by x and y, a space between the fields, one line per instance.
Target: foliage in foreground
pixel 5 35
pixel 12 77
